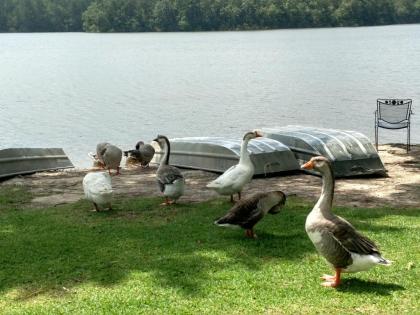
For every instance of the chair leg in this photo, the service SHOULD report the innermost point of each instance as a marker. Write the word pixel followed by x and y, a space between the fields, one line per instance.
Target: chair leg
pixel 408 138
pixel 376 137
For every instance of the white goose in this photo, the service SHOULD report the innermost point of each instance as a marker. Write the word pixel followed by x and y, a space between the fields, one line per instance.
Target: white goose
pixel 234 179
pixel 98 189
pixel 337 240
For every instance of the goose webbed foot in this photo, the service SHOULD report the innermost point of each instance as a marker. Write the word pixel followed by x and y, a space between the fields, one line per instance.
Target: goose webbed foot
pixel 167 202
pixel 250 233
pixel 328 278
pixel 332 281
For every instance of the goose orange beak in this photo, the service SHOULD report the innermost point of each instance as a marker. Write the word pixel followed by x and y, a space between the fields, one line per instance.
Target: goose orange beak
pixel 258 133
pixel 308 166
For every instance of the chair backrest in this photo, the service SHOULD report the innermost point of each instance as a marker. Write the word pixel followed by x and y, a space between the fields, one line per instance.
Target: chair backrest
pixel 394 110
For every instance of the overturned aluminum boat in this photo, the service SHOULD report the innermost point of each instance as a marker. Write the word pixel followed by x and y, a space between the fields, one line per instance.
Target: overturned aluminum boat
pixel 19 161
pixel 351 153
pixel 217 154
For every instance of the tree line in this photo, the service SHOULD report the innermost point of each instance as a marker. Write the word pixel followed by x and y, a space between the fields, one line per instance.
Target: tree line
pixel 199 15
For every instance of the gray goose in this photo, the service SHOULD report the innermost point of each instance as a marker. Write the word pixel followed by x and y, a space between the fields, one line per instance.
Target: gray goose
pixel 337 240
pixel 109 155
pixel 170 180
pixel 248 212
pixel 100 148
pixel 143 153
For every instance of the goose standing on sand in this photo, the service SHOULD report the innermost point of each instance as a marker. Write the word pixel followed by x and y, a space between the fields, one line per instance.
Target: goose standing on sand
pixel 109 155
pixel 143 153
pixel 337 240
pixel 100 148
pixel 233 180
pixel 97 187
pixel 170 180
pixel 248 212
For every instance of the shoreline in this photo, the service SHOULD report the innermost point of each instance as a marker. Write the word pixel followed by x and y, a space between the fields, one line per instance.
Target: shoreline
pixel 400 189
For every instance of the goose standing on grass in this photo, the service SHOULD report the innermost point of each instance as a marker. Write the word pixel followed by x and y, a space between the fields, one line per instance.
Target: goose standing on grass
pixel 248 212
pixel 97 187
pixel 170 180
pixel 233 180
pixel 142 154
pixel 337 240
pixel 109 155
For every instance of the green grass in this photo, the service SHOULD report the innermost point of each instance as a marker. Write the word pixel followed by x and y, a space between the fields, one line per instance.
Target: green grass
pixel 143 258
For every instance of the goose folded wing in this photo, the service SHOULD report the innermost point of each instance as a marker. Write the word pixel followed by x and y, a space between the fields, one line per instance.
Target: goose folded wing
pixel 352 240
pixel 333 250
pixel 168 175
pixel 253 218
pixel 243 211
pixel 230 177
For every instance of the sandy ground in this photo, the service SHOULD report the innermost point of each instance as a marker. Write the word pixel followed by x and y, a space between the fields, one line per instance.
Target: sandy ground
pixel 400 189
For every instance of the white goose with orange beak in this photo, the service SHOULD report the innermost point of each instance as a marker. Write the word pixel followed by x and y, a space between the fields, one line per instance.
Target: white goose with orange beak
pixel 234 179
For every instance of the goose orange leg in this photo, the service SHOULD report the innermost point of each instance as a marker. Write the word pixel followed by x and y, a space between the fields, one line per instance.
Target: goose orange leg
pixel 332 281
pixel 96 207
pixel 250 233
pixel 167 202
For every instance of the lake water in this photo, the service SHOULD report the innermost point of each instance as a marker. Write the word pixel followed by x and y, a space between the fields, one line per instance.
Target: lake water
pixel 73 90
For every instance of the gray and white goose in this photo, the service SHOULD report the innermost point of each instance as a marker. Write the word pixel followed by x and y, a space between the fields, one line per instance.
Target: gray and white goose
pixel 169 178
pixel 248 212
pixel 110 155
pixel 346 249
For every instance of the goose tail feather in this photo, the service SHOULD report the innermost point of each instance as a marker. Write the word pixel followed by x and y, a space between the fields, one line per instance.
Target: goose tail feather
pixel 222 223
pixel 384 261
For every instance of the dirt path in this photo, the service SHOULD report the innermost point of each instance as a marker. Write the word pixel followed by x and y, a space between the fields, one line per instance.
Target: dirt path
pixel 400 189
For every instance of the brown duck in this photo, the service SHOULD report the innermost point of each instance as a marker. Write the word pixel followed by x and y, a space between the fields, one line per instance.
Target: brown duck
pixel 248 212
pixel 337 240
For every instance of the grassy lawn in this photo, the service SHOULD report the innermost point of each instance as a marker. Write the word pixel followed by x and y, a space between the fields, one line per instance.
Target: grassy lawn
pixel 143 258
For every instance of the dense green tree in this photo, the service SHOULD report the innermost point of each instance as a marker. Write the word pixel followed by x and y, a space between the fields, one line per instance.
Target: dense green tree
pixel 165 16
pixel 198 15
pixel 117 16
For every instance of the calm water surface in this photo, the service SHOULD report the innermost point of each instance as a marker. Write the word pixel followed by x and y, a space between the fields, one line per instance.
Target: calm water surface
pixel 73 90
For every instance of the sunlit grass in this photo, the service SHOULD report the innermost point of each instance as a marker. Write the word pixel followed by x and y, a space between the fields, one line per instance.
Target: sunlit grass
pixel 144 258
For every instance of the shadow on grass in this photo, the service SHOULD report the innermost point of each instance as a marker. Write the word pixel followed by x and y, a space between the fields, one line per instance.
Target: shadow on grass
pixel 362 286
pixel 44 251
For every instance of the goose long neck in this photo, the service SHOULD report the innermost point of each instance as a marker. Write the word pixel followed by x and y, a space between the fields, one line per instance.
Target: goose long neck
pixel 244 155
pixel 324 204
pixel 167 152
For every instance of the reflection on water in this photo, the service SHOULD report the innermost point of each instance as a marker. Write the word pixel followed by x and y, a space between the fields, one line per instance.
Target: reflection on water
pixel 73 90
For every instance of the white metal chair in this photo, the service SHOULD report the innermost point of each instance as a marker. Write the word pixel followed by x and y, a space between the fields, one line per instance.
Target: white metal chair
pixel 393 114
